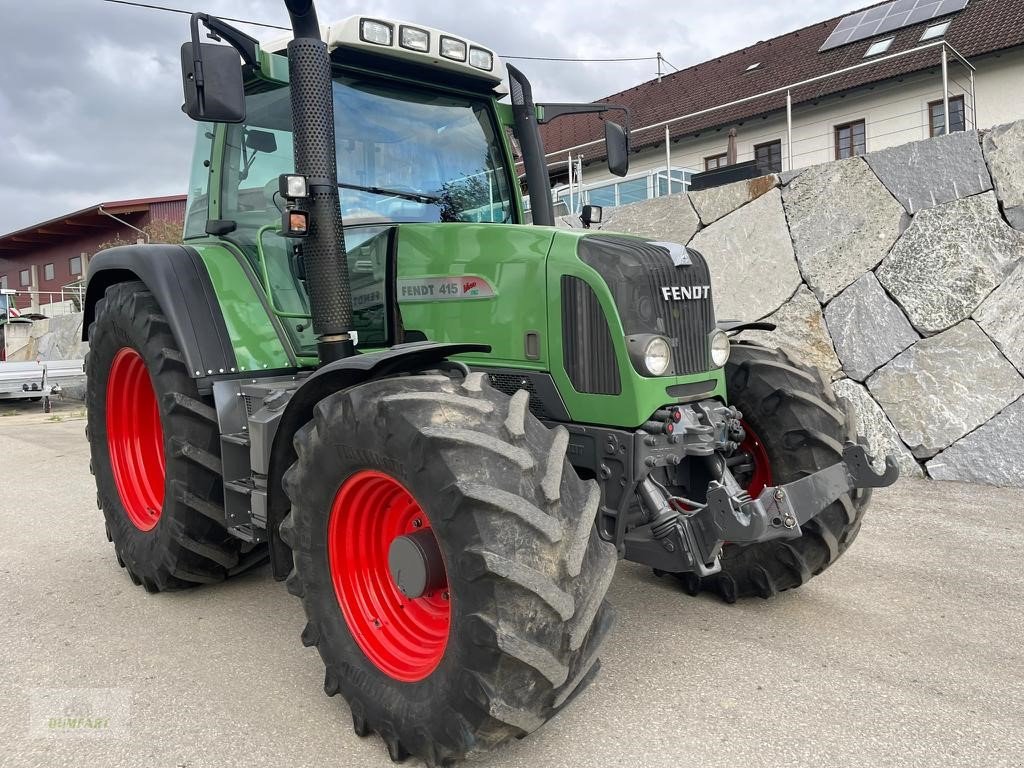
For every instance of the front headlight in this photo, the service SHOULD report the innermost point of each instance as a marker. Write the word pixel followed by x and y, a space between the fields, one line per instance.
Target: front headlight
pixel 657 356
pixel 720 348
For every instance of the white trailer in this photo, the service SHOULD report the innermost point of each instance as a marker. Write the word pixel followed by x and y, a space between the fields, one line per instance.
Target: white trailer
pixel 39 380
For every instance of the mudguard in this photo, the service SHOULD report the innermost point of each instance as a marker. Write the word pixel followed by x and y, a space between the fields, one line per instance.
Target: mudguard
pixel 336 376
pixel 178 279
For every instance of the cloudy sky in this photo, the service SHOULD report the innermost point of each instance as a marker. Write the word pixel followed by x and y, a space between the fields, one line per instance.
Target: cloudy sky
pixel 90 96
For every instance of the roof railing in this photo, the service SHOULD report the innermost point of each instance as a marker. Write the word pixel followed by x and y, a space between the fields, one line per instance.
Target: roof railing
pixel 947 50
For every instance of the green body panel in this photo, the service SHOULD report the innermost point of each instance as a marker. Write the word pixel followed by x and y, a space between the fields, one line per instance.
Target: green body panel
pixel 510 257
pixel 525 266
pixel 256 339
pixel 641 395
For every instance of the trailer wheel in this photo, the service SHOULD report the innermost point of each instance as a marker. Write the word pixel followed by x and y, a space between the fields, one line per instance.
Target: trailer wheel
pixel 155 450
pixel 454 491
pixel 795 425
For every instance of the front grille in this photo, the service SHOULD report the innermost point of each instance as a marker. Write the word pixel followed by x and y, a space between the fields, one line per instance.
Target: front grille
pixel 635 272
pixel 587 350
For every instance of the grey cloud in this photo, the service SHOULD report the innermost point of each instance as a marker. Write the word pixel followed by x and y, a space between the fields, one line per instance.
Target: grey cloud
pixel 90 97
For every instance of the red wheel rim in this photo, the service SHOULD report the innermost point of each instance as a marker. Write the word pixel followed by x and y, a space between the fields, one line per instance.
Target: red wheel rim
pixel 404 638
pixel 135 439
pixel 762 474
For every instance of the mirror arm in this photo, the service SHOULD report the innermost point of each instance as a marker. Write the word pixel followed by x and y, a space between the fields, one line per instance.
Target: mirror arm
pixel 219 30
pixel 549 112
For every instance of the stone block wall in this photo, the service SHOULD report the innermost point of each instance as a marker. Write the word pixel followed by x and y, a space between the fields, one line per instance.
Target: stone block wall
pixel 57 338
pixel 899 274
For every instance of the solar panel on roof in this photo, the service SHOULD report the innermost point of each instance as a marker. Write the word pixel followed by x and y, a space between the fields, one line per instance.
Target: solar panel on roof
pixel 886 18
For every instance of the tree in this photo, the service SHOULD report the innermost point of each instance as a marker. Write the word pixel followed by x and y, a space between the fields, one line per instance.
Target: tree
pixel 158 230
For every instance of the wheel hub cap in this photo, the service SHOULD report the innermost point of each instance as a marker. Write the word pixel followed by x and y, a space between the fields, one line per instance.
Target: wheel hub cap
pixel 415 563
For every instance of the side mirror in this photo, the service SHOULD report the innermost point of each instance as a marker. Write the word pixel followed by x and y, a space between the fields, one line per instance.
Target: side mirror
pixel 591 214
pixel 212 79
pixel 616 144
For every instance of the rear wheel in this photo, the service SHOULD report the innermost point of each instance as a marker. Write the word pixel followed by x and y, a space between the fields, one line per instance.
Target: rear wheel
pixel 447 561
pixel 155 452
pixel 795 426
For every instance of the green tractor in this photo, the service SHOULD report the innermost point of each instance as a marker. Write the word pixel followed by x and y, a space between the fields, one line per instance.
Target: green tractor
pixel 443 427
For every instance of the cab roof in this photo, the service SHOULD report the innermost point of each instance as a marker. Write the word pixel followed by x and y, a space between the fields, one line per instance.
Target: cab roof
pixel 366 34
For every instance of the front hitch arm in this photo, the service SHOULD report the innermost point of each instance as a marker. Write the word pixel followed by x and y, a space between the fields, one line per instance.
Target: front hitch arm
pixel 780 510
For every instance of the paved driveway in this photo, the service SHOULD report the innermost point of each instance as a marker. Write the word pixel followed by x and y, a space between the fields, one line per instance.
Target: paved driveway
pixel 908 652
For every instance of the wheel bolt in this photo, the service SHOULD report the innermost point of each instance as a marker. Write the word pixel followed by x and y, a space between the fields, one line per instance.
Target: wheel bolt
pixel 417 523
pixel 445 595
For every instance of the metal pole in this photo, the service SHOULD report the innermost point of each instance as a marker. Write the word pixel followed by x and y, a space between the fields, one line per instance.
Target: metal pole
pixel 579 180
pixel 122 221
pixel 668 164
pixel 789 130
pixel 490 195
pixel 945 86
pixel 974 105
pixel 572 202
pixel 659 66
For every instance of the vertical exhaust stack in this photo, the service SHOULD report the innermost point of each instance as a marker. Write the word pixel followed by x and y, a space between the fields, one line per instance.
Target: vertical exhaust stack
pixel 525 113
pixel 312 104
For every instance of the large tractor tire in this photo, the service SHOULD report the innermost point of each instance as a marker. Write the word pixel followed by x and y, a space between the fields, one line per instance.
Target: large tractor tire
pixel 506 629
pixel 155 450
pixel 795 426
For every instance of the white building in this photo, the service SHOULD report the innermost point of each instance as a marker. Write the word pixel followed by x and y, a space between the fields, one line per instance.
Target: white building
pixel 875 78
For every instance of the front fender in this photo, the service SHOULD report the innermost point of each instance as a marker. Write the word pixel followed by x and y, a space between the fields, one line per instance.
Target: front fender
pixel 178 279
pixel 334 377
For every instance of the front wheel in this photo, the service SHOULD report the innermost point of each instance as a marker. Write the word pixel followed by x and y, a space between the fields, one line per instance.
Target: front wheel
pixel 447 560
pixel 795 426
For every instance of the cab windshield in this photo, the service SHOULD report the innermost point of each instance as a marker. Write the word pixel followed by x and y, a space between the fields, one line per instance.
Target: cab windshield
pixel 404 154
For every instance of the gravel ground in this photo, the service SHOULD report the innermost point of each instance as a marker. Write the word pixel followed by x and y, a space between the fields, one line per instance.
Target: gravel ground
pixel 906 653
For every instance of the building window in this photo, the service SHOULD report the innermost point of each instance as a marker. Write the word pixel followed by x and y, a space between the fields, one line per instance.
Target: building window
pixel 716 161
pixel 3 281
pixel 935 30
pixel 937 116
pixel 75 265
pixel 48 272
pixel 850 140
pixel 26 278
pixel 879 46
pixel 680 180
pixel 603 196
pixel 769 157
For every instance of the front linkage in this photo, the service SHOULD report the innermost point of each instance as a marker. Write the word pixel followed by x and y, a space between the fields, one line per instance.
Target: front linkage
pixel 678 535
